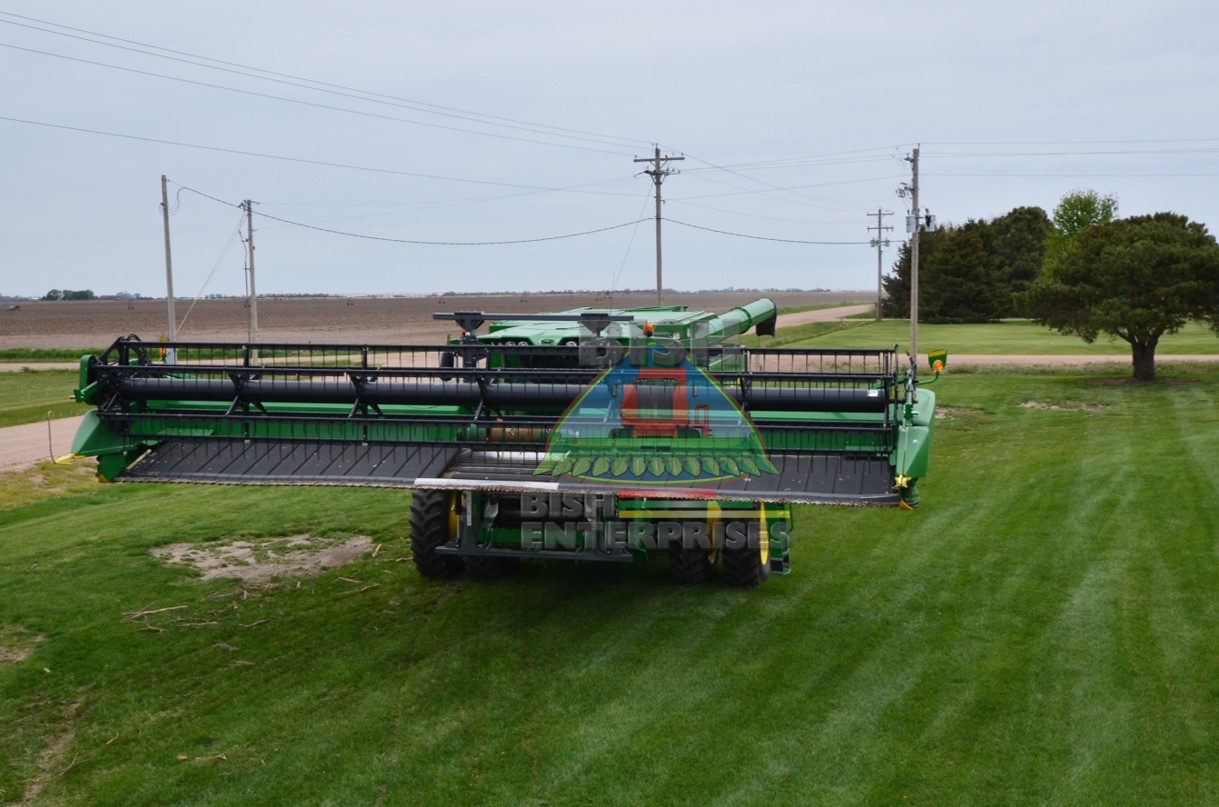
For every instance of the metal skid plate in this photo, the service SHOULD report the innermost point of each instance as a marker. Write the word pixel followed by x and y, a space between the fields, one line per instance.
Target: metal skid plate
pixel 288 462
pixel 819 479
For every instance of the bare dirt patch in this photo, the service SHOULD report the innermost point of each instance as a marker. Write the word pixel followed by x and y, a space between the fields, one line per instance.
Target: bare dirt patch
pixel 17 643
pixel 958 413
pixel 1063 407
pixel 260 560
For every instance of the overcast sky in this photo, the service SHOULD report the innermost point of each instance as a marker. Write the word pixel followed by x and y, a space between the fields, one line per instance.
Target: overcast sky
pixel 485 121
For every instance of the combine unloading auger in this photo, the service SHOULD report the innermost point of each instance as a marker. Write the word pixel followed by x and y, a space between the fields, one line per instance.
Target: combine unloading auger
pixel 586 435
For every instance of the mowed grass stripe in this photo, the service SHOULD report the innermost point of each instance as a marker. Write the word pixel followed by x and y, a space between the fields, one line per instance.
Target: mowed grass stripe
pixel 1010 642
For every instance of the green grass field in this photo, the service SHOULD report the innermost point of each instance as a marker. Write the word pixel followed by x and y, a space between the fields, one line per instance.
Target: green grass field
pixel 36 355
pixel 1043 630
pixel 26 397
pixel 1012 338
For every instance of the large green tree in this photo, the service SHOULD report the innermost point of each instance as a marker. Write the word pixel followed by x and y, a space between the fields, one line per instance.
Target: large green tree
pixel 1020 240
pixel 1076 212
pixel 1136 279
pixel 896 284
pixel 964 278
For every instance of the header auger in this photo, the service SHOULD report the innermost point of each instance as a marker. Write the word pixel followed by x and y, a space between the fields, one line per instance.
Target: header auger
pixel 586 435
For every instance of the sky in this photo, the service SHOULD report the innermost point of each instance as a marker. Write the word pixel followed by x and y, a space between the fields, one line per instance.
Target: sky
pixel 394 147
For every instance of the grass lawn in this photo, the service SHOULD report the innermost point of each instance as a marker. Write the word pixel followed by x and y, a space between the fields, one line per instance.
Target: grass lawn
pixel 795 309
pixel 1012 337
pixel 26 397
pixel 20 354
pixel 1043 629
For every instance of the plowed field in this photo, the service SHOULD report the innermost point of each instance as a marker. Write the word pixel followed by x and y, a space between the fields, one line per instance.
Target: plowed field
pixel 369 320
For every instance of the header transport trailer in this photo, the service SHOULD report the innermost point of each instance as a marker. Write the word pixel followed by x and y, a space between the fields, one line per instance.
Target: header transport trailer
pixel 585 435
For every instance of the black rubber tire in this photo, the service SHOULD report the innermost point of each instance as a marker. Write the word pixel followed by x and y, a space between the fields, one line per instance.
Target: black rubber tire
pixel 429 523
pixel 691 566
pixel 744 567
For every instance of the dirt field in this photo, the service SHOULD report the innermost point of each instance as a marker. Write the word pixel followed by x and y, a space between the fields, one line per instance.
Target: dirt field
pixel 368 320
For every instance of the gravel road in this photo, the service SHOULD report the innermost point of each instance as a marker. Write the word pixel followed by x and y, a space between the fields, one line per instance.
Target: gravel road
pixel 22 446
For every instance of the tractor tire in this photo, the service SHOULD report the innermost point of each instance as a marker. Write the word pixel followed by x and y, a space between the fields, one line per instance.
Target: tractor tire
pixel 745 567
pixel 431 526
pixel 691 566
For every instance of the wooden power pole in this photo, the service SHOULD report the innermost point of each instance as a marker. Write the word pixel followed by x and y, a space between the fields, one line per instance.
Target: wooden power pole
pixel 658 173
pixel 880 243
pixel 169 270
pixel 913 159
pixel 252 320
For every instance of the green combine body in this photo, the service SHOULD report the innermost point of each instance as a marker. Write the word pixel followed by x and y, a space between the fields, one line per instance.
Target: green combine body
pixel 585 435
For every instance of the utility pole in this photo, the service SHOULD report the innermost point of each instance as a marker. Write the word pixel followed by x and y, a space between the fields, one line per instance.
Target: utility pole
pixel 913 160
pixel 252 321
pixel 658 174
pixel 170 357
pixel 880 243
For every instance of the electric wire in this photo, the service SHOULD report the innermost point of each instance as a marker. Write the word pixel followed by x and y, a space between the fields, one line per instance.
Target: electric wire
pixel 763 237
pixel 1021 175
pixel 233 236
pixel 831 158
pixel 1091 153
pixel 302 102
pixel 887 178
pixel 637 221
pixel 302 160
pixel 321 86
pixel 629 245
pixel 421 243
pixel 742 213
pixel 805 200
pixel 1071 142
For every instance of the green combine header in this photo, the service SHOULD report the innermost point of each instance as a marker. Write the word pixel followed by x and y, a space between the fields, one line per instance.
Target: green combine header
pixel 585 435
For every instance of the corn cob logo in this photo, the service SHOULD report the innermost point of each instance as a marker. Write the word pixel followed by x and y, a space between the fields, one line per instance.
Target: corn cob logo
pixel 655 426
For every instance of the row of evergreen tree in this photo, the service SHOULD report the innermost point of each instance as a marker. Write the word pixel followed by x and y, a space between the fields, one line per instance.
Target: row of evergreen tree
pixel 972 272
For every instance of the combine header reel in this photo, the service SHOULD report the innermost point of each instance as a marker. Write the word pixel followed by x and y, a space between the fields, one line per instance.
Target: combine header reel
pixel 586 435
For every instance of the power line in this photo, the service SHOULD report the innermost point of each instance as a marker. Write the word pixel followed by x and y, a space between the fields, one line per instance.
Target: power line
pixel 770 192
pixel 1072 142
pixel 302 102
pixel 450 243
pixel 1191 174
pixel 748 215
pixel 629 244
pixel 322 86
pixel 794 187
pixel 516 241
pixel 242 206
pixel 763 237
pixel 813 158
pixel 302 160
pixel 1092 153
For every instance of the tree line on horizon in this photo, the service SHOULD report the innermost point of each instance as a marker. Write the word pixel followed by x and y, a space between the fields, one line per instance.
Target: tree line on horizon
pixel 1082 271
